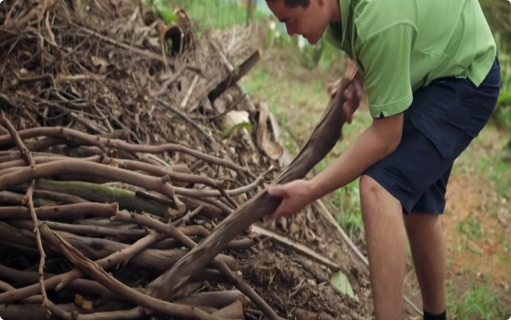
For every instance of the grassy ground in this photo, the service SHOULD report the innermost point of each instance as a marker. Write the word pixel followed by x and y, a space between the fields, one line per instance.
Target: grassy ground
pixel 477 218
pixel 214 13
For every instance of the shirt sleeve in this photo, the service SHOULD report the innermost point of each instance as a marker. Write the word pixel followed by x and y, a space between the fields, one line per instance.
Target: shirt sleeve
pixel 385 59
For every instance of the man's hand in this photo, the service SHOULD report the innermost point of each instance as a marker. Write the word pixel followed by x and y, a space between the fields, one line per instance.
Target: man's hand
pixel 353 93
pixel 296 195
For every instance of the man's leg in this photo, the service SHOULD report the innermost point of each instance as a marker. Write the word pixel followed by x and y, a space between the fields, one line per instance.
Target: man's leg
pixel 386 239
pixel 428 252
pixel 427 244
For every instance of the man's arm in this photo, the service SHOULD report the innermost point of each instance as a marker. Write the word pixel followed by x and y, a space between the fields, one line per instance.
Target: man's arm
pixel 386 61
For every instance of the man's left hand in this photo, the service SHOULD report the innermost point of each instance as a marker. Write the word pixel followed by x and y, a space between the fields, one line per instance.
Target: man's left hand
pixel 296 195
pixel 352 94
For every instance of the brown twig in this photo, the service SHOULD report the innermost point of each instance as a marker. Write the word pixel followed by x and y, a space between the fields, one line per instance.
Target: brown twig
pixel 83 285
pixel 28 200
pixel 88 230
pixel 77 166
pixel 58 282
pixel 134 313
pixel 95 271
pixel 160 171
pixel 32 300
pixel 99 248
pixel 18 175
pixel 187 119
pixel 189 216
pixel 67 211
pixel 216 263
pixel 102 143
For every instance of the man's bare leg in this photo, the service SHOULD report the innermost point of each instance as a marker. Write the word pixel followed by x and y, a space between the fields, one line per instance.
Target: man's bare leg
pixel 428 251
pixel 386 239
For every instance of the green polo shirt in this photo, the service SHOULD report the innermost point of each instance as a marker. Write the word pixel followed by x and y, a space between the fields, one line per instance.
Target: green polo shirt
pixel 400 46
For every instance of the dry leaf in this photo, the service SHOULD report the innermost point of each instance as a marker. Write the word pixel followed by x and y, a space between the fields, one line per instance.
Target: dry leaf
pixel 264 137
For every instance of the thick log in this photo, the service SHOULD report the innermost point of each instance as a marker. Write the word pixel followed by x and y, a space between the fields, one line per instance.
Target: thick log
pixel 324 137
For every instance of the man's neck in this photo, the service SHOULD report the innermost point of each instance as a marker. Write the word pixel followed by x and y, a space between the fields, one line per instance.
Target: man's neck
pixel 335 8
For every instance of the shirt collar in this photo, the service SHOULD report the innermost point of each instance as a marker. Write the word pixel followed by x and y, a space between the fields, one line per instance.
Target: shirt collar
pixel 345 7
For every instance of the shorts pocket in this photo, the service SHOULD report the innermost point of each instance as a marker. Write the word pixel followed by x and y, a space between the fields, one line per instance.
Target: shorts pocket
pixel 449 139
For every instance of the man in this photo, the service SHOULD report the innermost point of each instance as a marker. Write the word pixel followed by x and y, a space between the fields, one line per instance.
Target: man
pixel 432 79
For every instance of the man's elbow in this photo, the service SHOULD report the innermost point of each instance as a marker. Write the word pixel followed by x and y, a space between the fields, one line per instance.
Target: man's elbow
pixel 393 142
pixel 389 130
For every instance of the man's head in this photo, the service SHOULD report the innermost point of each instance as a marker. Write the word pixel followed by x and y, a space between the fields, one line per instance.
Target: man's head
pixel 308 18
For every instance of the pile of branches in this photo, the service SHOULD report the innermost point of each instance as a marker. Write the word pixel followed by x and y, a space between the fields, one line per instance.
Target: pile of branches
pixel 98 226
pixel 120 155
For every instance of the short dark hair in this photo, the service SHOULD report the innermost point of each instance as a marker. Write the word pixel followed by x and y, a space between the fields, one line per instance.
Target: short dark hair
pixel 295 3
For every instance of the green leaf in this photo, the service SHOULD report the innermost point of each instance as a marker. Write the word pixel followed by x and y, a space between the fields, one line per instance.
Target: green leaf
pixel 164 11
pixel 227 132
pixel 342 283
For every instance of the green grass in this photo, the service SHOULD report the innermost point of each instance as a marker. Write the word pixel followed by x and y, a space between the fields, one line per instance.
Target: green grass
pixel 477 302
pixel 487 159
pixel 215 13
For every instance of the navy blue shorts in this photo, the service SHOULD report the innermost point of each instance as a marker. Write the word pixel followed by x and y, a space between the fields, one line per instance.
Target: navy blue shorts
pixel 443 119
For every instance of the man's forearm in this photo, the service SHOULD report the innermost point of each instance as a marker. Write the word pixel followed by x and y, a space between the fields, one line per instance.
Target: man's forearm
pixel 370 147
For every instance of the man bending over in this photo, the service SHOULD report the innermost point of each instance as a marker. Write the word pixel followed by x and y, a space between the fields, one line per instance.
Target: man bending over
pixel 432 78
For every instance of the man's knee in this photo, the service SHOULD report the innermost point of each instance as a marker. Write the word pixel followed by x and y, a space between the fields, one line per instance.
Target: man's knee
pixel 369 189
pixel 373 197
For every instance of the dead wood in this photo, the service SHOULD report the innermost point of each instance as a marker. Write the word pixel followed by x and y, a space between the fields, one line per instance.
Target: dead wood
pixel 32 312
pixel 61 280
pixel 121 147
pixel 98 273
pixel 216 263
pixel 84 167
pixel 66 212
pixel 83 285
pixel 322 140
pixel 13 199
pixel 217 300
pixel 102 143
pixel 242 244
pixel 100 248
pixel 234 76
pixel 27 199
pixel 232 311
pixel 101 193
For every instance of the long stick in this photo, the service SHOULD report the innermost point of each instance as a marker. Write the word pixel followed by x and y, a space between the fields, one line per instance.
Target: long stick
pixel 30 202
pixel 322 140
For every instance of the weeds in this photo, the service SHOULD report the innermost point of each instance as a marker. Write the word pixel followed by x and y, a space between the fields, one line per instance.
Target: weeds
pixel 477 302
